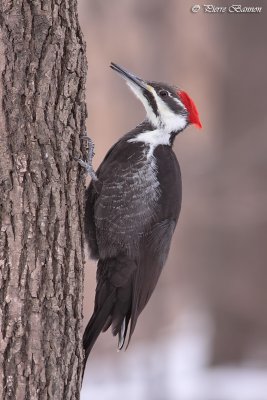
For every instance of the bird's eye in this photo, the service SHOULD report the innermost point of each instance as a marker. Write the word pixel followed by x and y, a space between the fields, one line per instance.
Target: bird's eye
pixel 163 93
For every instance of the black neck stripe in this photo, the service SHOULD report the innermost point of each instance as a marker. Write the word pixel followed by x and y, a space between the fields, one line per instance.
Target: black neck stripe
pixel 151 101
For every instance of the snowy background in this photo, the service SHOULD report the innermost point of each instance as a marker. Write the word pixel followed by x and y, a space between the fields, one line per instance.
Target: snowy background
pixel 173 369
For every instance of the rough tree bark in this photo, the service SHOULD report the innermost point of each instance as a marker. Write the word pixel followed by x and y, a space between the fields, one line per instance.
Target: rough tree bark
pixel 42 114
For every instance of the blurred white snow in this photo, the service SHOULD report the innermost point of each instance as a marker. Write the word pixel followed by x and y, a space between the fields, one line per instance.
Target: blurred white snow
pixel 173 369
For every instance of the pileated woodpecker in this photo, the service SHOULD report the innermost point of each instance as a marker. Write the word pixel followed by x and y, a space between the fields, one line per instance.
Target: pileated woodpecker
pixel 132 207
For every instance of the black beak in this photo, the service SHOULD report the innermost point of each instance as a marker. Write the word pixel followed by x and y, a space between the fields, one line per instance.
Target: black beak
pixel 129 76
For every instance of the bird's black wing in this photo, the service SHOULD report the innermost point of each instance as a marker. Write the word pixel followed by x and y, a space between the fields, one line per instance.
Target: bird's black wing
pixel 127 204
pixel 133 219
pixel 91 195
pixel 156 244
pixel 153 256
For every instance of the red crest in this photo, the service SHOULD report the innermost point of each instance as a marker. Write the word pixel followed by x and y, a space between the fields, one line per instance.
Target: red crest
pixel 191 108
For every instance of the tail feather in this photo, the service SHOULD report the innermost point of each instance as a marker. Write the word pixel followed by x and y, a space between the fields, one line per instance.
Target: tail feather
pixel 123 331
pixel 113 301
pixel 96 324
pixel 122 335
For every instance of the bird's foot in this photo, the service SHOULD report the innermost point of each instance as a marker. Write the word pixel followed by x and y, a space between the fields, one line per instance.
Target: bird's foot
pixel 87 165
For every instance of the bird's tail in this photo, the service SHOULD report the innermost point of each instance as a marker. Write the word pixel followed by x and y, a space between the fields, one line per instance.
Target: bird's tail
pixel 96 325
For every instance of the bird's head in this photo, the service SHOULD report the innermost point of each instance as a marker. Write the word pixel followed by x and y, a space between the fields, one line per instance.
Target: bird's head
pixel 168 108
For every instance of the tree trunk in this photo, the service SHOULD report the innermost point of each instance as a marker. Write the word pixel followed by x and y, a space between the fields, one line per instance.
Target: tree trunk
pixel 42 114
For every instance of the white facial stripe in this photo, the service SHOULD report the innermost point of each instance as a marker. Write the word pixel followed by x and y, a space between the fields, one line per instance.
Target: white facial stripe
pixel 170 121
pixel 167 120
pixel 179 102
pixel 139 94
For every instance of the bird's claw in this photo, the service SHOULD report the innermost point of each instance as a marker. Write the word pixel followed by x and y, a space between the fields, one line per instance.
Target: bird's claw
pixel 90 145
pixel 87 165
